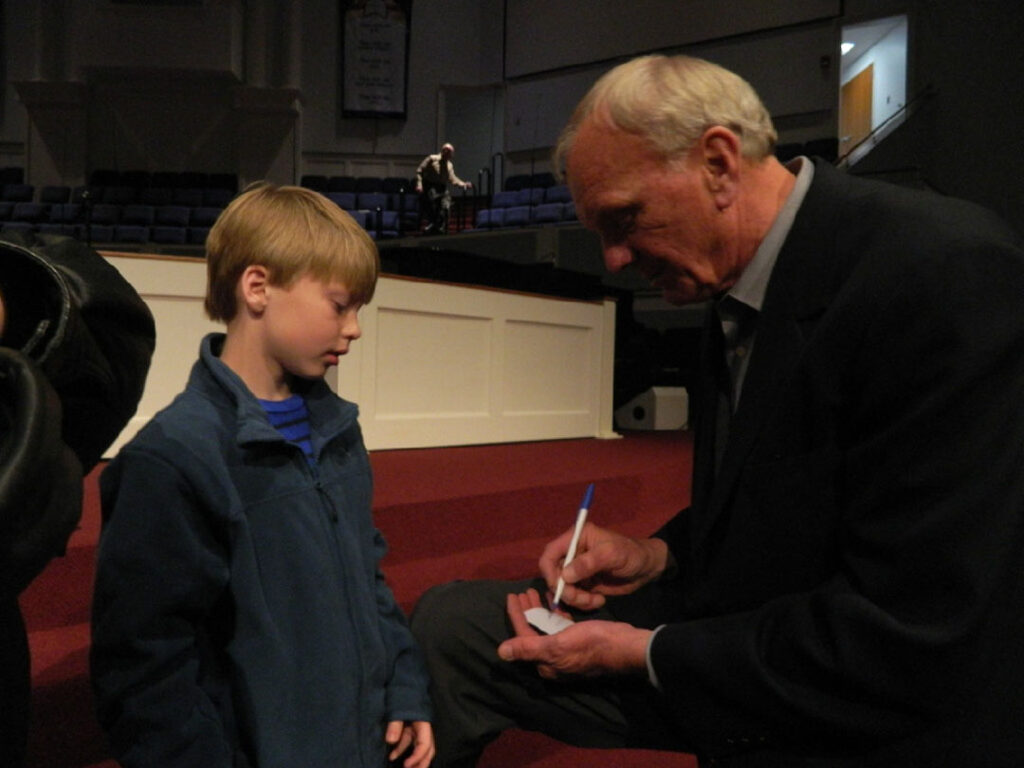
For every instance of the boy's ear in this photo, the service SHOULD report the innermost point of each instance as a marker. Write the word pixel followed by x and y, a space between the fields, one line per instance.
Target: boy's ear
pixel 253 286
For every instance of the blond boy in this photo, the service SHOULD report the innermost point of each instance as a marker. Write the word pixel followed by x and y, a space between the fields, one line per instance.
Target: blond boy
pixel 240 615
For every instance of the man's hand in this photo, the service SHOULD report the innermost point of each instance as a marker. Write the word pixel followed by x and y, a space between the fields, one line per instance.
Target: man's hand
pixel 588 648
pixel 402 736
pixel 606 563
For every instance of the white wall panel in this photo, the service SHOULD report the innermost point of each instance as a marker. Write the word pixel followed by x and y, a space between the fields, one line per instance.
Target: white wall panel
pixel 174 291
pixel 437 364
pixel 431 363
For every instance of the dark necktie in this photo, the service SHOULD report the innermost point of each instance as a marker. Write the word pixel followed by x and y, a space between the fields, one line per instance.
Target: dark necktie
pixel 723 385
pixel 713 407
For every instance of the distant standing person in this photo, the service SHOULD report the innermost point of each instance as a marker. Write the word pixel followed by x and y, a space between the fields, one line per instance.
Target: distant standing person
pixel 433 176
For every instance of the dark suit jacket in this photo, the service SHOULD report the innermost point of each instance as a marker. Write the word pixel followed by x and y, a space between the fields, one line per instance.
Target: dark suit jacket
pixel 852 584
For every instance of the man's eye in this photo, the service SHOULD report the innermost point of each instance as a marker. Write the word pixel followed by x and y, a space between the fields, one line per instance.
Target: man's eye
pixel 620 225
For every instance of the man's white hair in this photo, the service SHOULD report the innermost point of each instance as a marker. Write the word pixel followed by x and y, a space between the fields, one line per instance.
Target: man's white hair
pixel 671 101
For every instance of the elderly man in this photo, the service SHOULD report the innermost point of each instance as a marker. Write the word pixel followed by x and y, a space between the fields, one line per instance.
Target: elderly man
pixel 433 176
pixel 846 587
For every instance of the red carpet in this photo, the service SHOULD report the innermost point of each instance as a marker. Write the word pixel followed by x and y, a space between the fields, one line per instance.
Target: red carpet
pixel 469 512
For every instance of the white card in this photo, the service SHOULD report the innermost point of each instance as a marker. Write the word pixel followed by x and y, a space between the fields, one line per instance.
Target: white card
pixel 547 622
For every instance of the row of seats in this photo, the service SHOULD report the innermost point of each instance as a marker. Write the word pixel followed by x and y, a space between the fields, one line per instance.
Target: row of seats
pixel 531 196
pixel 103 222
pixel 193 197
pixel 519 181
pixel 408 202
pixel 526 206
pixel 108 177
pixel 117 233
pixel 525 215
pixel 358 184
pixel 392 184
pixel 136 223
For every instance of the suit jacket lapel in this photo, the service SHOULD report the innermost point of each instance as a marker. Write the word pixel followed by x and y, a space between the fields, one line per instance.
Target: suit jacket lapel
pixel 798 294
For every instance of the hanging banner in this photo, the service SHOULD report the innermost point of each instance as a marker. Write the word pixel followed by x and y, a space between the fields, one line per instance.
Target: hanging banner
pixel 375 57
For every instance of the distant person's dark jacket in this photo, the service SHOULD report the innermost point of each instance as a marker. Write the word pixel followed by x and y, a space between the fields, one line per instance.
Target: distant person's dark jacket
pixel 73 364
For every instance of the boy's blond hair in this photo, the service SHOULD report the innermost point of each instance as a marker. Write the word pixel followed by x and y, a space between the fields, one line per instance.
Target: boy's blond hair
pixel 293 232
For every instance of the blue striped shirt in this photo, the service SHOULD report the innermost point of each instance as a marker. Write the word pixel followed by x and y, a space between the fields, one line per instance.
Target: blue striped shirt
pixel 291 418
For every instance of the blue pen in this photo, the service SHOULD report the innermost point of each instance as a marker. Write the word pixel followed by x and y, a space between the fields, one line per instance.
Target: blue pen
pixel 581 519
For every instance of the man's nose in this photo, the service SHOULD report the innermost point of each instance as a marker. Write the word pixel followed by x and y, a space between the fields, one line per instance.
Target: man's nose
pixel 616 257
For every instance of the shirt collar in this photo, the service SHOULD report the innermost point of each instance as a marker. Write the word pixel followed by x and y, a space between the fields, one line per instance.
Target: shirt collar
pixel 750 289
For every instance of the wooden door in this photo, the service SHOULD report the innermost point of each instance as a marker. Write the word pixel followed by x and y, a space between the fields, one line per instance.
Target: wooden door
pixel 855 110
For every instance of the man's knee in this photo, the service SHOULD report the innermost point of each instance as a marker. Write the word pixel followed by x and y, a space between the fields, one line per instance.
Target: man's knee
pixel 449 616
pixel 431 611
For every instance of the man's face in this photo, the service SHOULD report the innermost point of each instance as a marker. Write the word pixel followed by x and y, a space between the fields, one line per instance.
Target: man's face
pixel 654 215
pixel 446 153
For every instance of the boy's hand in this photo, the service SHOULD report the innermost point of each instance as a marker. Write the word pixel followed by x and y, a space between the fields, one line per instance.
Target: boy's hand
pixel 418 735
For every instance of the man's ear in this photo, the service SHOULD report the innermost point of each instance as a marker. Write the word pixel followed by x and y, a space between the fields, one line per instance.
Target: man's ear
pixel 720 156
pixel 254 288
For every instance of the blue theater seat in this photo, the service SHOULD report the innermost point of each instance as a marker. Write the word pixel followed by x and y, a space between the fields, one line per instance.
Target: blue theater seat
pixel 172 216
pixel 517 216
pixel 531 196
pixel 483 219
pixel 217 198
pixel 138 214
pixel 24 227
pixel 120 195
pixel 95 233
pixel 18 193
pixel 544 179
pixel 168 234
pixel 341 184
pixel 189 196
pixel 131 233
pixel 517 181
pixel 395 184
pixel 505 199
pixel 369 184
pixel 345 200
pixel 548 213
pixel 361 217
pixel 314 181
pixel 371 201
pixel 103 214
pixel 557 194
pixel 30 212
pixel 53 194
pixel 156 195
pixel 66 213
pixel 203 216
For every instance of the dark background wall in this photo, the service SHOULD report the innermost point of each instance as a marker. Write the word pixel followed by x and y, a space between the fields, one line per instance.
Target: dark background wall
pixel 253 86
